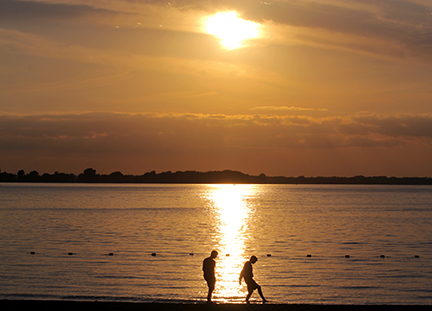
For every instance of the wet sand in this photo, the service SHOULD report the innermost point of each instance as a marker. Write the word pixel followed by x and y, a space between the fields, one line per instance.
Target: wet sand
pixel 44 305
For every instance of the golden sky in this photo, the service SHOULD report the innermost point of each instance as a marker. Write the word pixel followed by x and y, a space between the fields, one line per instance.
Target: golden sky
pixel 308 87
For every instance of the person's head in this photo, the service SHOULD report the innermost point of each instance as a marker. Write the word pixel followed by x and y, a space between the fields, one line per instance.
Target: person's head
pixel 253 259
pixel 214 254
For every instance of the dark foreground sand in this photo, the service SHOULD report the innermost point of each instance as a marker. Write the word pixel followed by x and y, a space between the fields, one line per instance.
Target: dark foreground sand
pixel 6 305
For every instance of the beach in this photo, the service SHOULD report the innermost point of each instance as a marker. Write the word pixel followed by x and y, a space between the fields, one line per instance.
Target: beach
pixel 200 306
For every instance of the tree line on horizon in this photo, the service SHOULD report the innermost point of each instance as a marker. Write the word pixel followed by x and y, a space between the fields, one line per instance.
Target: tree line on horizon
pixel 89 175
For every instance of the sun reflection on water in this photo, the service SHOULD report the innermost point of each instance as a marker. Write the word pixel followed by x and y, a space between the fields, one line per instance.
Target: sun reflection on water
pixel 233 215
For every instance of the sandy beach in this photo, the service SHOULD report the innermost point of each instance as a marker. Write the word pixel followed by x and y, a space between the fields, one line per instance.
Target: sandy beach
pixel 124 306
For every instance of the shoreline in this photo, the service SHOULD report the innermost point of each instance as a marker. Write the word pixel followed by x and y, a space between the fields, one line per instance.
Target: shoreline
pixel 66 305
pixel 211 177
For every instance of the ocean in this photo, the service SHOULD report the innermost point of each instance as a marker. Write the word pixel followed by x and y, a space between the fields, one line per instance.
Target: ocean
pixel 316 244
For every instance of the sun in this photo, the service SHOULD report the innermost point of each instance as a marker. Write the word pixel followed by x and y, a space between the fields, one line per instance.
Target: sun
pixel 232 30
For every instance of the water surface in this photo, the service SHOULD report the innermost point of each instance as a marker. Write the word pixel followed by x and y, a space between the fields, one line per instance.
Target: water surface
pixel 301 235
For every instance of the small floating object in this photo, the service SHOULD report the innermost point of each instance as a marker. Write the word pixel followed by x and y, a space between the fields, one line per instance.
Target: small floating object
pixel 70 254
pixel 227 255
pixel 347 256
pixel 416 256
pixel 191 254
pixel 32 253
pixel 382 256
pixel 309 255
pixel 111 254
pixel 268 255
pixel 153 254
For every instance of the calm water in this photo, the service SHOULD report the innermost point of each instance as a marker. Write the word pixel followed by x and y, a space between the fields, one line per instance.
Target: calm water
pixel 288 222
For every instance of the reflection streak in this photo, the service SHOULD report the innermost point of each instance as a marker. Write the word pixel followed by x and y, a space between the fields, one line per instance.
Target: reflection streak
pixel 233 215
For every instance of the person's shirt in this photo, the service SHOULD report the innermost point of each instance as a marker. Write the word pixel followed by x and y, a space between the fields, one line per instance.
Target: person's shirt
pixel 209 266
pixel 247 273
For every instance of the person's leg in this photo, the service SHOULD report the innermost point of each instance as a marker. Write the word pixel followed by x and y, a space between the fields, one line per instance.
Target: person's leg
pixel 211 286
pixel 249 295
pixel 251 286
pixel 261 294
pixel 209 295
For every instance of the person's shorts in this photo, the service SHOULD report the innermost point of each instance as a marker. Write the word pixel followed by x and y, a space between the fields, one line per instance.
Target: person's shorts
pixel 251 285
pixel 211 281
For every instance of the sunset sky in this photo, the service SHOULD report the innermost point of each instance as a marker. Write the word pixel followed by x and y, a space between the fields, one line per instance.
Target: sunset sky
pixel 315 88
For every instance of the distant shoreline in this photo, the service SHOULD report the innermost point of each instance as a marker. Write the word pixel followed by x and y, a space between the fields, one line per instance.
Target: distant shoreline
pixel 213 177
pixel 131 306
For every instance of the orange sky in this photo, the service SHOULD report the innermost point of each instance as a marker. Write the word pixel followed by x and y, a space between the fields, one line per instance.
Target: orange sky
pixel 327 87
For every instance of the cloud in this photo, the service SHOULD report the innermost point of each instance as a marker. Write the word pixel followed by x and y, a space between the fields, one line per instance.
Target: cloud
pixel 121 132
pixel 15 9
pixel 400 29
pixel 285 108
pixel 135 143
pixel 398 126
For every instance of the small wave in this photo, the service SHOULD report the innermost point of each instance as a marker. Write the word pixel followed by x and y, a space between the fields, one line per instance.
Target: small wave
pixel 117 277
pixel 299 285
pixel 357 287
pixel 85 298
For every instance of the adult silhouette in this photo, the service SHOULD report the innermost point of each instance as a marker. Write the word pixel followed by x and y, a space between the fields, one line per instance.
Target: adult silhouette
pixel 247 274
pixel 209 265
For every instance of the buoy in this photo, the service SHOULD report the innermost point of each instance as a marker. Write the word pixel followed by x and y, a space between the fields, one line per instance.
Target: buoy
pixel 416 256
pixel 382 256
pixel 111 254
pixel 268 255
pixel 309 255
pixel 70 254
pixel 153 254
pixel 347 256
pixel 191 254
pixel 32 253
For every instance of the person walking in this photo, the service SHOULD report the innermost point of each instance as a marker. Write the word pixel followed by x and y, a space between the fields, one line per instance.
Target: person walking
pixel 208 268
pixel 247 275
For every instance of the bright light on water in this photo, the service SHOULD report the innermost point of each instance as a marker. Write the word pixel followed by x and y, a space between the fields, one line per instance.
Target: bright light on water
pixel 233 216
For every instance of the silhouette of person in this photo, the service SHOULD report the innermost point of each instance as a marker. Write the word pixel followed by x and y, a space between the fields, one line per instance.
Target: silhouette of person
pixel 209 265
pixel 247 274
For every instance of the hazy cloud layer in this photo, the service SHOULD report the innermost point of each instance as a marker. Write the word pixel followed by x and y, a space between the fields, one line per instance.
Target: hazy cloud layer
pixel 192 136
pixel 404 25
pixel 15 9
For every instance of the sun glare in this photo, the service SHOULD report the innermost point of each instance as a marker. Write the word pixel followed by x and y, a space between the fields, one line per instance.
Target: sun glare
pixel 232 30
